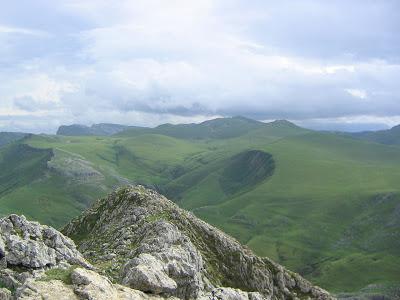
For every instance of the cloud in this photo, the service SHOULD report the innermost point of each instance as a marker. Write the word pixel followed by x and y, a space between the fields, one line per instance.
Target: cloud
pixel 357 93
pixel 155 61
pixel 24 31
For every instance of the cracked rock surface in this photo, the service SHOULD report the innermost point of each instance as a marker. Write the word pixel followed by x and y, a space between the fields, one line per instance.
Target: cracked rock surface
pixel 28 249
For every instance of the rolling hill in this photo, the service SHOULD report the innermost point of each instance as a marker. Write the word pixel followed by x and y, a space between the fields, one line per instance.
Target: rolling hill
pixel 387 137
pixel 323 204
pixel 221 128
pixel 102 129
pixel 9 137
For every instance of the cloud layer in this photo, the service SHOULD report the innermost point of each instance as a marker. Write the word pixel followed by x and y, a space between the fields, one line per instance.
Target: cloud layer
pixel 154 61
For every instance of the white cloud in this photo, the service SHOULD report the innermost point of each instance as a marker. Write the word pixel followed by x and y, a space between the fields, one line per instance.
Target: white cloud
pixel 156 61
pixel 357 93
pixel 334 69
pixel 19 30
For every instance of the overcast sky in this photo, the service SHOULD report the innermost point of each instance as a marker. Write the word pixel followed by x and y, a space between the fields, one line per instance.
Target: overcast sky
pixel 323 64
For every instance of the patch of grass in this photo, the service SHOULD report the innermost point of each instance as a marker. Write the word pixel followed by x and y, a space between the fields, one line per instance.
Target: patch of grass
pixel 158 217
pixel 19 232
pixel 3 286
pixel 63 275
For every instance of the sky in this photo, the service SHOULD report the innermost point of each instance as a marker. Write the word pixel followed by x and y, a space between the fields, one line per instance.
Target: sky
pixel 321 64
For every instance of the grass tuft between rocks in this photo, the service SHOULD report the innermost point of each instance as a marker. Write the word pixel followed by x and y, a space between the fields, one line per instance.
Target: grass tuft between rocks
pixel 63 275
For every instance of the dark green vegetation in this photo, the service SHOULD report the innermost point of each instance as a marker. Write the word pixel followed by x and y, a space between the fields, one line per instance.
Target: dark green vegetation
pixel 9 137
pixel 245 170
pixel 323 204
pixel 20 165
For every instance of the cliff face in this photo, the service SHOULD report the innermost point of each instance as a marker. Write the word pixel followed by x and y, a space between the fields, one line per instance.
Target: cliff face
pixel 140 246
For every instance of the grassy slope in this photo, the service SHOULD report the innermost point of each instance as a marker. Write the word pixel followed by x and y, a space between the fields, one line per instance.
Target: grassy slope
pixel 53 198
pixel 20 165
pixel 388 137
pixel 302 215
pixel 10 137
pixel 320 213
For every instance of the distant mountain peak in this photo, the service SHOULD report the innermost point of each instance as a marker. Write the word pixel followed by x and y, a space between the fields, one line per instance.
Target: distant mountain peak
pixel 389 136
pixel 284 122
pixel 396 128
pixel 101 129
pixel 246 119
pixel 219 128
pixel 231 119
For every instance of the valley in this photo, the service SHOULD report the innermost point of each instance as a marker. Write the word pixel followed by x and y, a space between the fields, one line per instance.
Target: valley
pixel 323 204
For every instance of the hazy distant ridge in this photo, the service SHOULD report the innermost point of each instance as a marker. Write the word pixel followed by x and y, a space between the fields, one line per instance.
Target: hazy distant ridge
pixel 102 129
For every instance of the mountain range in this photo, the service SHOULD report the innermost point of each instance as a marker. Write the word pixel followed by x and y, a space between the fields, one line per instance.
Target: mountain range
pixel 387 137
pixel 96 129
pixel 324 204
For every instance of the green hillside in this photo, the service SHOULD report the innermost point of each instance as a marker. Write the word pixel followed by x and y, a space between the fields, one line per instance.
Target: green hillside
pixel 21 164
pixel 221 128
pixel 321 213
pixel 387 137
pixel 9 137
pixel 323 204
pixel 102 129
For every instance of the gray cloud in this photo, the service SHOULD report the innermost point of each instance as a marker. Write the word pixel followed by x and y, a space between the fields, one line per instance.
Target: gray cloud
pixel 29 104
pixel 311 61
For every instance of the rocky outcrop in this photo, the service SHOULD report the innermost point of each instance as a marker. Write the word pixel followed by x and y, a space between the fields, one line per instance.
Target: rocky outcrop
pixel 142 240
pixel 140 246
pixel 165 262
pixel 85 284
pixel 38 262
pixel 28 249
pixel 38 290
pixel 90 285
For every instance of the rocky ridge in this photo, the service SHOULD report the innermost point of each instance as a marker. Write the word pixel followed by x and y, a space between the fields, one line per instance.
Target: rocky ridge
pixel 136 244
pixel 144 241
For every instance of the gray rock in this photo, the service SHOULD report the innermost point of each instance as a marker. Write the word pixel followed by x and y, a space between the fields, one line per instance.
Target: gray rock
pixel 146 273
pixel 28 248
pixel 86 284
pixel 90 285
pixel 5 294
pixel 49 290
pixel 32 245
pixel 165 261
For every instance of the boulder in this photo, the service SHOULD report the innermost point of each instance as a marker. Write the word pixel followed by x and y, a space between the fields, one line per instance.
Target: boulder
pixel 90 285
pixel 146 273
pixel 5 294
pixel 28 249
pixel 165 262
pixel 31 245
